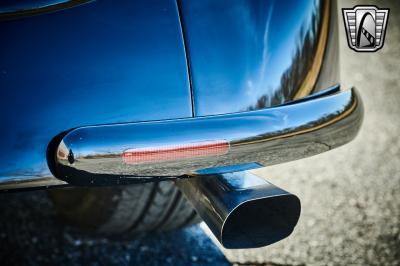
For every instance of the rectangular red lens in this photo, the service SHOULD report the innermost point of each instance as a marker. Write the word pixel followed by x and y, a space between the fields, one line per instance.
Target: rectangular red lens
pixel 175 152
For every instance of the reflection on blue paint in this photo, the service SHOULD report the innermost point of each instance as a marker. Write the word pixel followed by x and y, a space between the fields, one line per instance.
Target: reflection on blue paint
pixel 239 51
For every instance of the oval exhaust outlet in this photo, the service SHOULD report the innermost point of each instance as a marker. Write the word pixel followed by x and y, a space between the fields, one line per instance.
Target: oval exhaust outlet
pixel 241 209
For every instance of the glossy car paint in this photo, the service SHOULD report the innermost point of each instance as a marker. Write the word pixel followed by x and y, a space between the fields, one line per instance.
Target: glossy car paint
pixel 102 63
pixel 98 63
pixel 249 55
pixel 10 9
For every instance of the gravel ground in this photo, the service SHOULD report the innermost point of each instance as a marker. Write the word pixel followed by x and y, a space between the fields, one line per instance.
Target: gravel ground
pixel 350 196
pixel 33 235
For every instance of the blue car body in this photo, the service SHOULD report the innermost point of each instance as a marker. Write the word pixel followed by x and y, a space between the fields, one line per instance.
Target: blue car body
pixel 106 62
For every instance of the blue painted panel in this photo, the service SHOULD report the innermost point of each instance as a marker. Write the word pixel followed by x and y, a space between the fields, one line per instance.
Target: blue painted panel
pixel 248 54
pixel 102 62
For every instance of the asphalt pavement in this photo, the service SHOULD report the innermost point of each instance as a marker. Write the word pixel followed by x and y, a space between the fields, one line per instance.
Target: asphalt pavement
pixel 350 196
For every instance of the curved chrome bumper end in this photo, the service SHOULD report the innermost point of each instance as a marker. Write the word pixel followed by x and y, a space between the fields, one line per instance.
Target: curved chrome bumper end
pixel 152 151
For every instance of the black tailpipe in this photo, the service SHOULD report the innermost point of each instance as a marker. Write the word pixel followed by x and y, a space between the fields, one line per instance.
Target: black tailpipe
pixel 241 209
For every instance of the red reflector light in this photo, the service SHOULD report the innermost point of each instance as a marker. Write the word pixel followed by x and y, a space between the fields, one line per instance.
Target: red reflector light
pixel 175 152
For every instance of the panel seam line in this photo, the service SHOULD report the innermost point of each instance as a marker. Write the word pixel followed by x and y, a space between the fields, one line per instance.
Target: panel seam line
pixel 186 51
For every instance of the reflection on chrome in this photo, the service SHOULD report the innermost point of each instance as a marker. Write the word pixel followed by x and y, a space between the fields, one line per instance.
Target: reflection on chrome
pixel 269 136
pixel 29 182
pixel 241 209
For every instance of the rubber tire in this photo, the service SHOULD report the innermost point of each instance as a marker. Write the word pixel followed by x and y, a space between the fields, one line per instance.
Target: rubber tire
pixel 125 210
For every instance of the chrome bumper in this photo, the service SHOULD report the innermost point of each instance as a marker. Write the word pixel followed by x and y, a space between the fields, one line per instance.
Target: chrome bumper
pixel 151 151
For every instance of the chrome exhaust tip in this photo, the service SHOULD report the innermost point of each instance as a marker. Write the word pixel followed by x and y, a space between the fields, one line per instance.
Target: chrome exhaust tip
pixel 241 209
